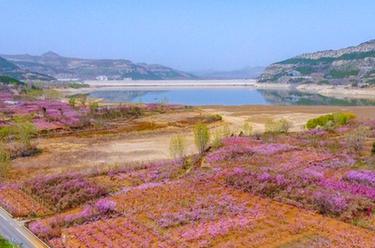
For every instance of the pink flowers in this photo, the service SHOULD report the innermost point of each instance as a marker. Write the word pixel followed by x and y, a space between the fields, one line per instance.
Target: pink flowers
pixel 105 206
pixel 51 227
pixel 328 202
pixel 365 177
pixel 252 194
pixel 47 114
pixel 118 232
pixel 355 189
pixel 309 186
pixel 204 209
pixel 239 146
pixel 270 149
pixel 217 228
pixel 64 191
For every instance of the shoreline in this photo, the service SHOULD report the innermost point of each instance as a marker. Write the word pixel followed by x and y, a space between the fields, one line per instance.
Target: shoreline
pixel 337 91
pixel 171 83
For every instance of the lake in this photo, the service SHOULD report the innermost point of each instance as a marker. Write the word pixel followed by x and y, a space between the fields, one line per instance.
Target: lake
pixel 234 95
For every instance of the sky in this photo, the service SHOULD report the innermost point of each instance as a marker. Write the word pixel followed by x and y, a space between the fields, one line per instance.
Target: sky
pixel 190 35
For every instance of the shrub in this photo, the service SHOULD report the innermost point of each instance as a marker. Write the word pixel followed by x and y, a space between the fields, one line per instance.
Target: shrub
pixel 277 126
pixel 356 139
pixel 63 191
pixel 82 99
pixel 105 206
pixel 342 118
pixel 217 138
pixel 335 119
pixel 7 244
pixel 247 128
pixel 215 117
pixel 201 137
pixel 220 134
pixel 329 126
pixel 319 121
pixel 285 125
pixel 330 203
pixel 36 91
pixel 343 73
pixel 72 101
pixel 177 146
pixel 4 161
pixel 9 80
pixel 24 129
pixel 366 177
pixel 93 106
pixel 5 132
pixel 77 85
pixel 120 111
pixel 226 130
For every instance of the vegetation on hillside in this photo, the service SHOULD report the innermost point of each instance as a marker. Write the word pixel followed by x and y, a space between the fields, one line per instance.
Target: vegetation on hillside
pixel 348 66
pixel 9 80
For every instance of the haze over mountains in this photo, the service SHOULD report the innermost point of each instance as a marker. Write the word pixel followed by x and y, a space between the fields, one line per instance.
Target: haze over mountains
pixel 244 73
pixel 353 65
pixel 59 67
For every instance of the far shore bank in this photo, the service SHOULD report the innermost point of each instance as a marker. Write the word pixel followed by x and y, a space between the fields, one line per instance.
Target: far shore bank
pixel 336 91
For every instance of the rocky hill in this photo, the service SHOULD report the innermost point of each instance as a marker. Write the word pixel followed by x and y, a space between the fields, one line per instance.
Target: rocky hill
pixel 9 69
pixel 61 67
pixel 353 65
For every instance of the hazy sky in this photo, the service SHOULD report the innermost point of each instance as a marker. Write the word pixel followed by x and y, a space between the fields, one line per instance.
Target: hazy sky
pixel 185 34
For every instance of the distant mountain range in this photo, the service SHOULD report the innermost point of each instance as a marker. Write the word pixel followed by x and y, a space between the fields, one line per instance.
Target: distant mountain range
pixel 51 65
pixel 353 66
pixel 244 73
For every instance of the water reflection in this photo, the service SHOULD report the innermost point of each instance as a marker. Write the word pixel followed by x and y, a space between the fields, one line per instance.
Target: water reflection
pixel 223 96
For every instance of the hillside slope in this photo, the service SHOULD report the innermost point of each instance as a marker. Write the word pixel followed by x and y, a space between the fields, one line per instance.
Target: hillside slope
pixel 353 65
pixel 61 67
pixel 9 69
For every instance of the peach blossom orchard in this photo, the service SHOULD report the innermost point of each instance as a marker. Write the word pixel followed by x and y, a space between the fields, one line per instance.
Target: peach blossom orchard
pixel 310 189
pixel 306 189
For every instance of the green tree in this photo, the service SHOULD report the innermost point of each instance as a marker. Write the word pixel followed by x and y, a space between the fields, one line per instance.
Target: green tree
pixel 277 126
pixel 24 130
pixel 4 161
pixel 247 128
pixel 93 106
pixel 72 101
pixel 82 99
pixel 201 137
pixel 177 146
pixel 219 134
pixel 226 130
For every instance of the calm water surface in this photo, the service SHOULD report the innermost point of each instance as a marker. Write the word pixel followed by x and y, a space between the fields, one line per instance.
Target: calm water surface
pixel 220 96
